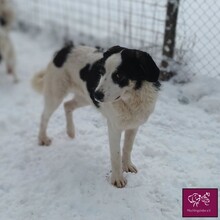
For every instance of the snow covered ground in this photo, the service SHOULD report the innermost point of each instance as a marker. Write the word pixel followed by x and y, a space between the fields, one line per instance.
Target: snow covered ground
pixel 178 147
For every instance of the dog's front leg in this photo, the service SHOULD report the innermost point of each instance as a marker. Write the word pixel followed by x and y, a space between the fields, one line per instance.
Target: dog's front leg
pixel 128 166
pixel 117 178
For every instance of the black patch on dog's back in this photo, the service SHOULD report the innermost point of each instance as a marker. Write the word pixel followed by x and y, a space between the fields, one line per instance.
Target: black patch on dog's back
pixel 2 21
pixel 61 56
pixel 91 74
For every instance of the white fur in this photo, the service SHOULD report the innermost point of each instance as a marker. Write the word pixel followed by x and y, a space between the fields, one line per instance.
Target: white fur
pixel 6 46
pixel 125 114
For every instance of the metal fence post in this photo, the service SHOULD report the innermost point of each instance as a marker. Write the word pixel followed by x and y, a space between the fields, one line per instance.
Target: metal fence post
pixel 169 39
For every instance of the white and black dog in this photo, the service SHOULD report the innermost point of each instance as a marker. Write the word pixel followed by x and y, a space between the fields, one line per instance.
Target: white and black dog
pixel 121 83
pixel 6 46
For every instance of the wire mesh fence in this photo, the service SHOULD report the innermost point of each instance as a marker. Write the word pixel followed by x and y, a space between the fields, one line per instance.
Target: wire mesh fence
pixel 134 23
pixel 198 42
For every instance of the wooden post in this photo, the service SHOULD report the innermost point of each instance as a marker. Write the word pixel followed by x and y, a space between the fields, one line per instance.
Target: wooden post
pixel 169 39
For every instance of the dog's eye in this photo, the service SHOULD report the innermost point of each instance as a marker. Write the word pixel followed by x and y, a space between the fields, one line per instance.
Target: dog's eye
pixel 117 76
pixel 120 79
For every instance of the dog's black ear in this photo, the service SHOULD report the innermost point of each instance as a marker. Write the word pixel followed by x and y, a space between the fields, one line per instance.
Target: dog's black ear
pixel 148 66
pixel 112 50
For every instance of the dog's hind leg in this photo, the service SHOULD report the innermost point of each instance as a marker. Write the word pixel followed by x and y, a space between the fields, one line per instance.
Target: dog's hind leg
pixel 50 106
pixel 52 100
pixel 69 107
pixel 128 166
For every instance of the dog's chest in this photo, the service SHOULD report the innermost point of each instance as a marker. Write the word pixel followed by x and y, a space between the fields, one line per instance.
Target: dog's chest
pixel 132 112
pixel 131 115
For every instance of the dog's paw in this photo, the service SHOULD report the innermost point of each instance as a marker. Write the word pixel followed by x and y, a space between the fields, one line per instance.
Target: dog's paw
pixel 118 181
pixel 44 141
pixel 70 133
pixel 129 167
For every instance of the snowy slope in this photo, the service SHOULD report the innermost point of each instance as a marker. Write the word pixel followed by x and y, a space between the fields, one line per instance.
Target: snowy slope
pixel 179 147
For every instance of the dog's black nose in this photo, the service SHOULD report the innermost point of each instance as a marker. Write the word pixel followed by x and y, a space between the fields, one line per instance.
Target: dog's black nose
pixel 99 96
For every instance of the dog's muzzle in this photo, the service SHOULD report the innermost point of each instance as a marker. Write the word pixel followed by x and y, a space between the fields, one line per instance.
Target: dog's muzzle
pixel 99 96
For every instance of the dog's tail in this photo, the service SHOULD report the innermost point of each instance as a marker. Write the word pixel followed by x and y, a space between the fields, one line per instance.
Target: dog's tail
pixel 38 81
